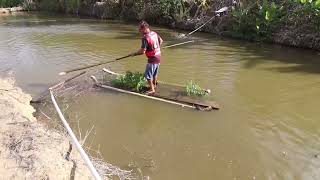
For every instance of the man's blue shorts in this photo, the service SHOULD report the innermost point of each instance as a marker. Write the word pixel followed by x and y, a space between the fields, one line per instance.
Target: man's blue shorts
pixel 152 70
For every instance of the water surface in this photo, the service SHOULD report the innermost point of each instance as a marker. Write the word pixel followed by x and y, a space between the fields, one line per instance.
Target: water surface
pixel 267 127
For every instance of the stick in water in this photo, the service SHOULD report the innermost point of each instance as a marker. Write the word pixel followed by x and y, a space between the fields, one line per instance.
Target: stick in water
pixel 201 26
pixel 178 44
pixel 224 9
pixel 98 64
pixel 90 66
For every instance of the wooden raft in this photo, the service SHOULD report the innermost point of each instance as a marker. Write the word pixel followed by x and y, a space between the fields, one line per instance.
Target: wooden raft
pixel 165 92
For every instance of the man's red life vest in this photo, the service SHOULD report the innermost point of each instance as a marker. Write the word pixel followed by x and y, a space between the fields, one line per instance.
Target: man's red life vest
pixel 153 42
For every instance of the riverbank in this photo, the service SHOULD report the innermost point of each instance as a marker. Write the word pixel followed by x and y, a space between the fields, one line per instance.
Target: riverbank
pixel 288 23
pixel 28 150
pixel 11 10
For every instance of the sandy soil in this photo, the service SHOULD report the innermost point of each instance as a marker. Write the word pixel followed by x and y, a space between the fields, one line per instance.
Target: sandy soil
pixel 27 149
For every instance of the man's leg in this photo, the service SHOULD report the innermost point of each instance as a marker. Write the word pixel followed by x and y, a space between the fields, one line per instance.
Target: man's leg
pixel 148 75
pixel 151 85
pixel 155 74
pixel 154 81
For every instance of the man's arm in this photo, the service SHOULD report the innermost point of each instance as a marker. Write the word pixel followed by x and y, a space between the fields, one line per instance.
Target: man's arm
pixel 139 52
pixel 160 40
pixel 142 50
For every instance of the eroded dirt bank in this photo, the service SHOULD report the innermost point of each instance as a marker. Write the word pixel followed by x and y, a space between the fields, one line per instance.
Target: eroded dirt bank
pixel 27 149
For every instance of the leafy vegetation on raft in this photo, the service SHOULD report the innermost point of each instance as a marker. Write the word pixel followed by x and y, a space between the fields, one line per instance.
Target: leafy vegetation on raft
pixel 193 89
pixel 133 81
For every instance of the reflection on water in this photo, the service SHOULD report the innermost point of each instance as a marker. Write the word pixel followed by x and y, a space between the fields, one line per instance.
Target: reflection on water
pixel 267 128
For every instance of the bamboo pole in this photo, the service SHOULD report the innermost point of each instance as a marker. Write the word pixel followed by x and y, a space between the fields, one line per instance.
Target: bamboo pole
pixel 201 26
pixel 224 9
pixel 124 57
pixel 94 65
pixel 178 44
pixel 74 139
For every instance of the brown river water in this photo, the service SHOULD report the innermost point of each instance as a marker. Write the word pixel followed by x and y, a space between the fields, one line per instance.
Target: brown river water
pixel 267 128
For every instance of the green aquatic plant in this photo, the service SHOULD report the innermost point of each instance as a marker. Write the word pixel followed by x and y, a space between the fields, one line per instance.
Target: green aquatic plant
pixel 193 89
pixel 133 81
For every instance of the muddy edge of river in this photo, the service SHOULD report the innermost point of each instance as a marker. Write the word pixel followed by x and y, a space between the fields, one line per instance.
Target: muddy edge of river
pixel 30 149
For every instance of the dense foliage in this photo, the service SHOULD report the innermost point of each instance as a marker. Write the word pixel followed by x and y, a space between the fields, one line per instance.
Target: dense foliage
pixel 10 3
pixel 193 89
pixel 258 20
pixel 153 10
pixel 306 14
pixel 131 81
pixel 280 21
pixel 68 6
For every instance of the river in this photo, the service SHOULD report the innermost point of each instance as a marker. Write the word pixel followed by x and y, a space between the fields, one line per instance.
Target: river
pixel 267 127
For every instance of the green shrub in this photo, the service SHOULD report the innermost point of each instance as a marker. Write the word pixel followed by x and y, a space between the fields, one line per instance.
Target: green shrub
pixel 314 4
pixel 131 81
pixel 68 6
pixel 256 20
pixel 72 6
pixel 171 7
pixel 193 89
pixel 153 10
pixel 50 5
pixel 10 3
pixel 307 14
pixel 244 24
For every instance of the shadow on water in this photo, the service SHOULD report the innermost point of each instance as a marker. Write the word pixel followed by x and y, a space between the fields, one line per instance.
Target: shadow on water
pixel 48 19
pixel 254 54
pixel 35 20
pixel 297 60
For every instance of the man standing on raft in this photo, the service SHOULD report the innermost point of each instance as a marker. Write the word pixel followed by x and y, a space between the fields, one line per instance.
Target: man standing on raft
pixel 151 43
